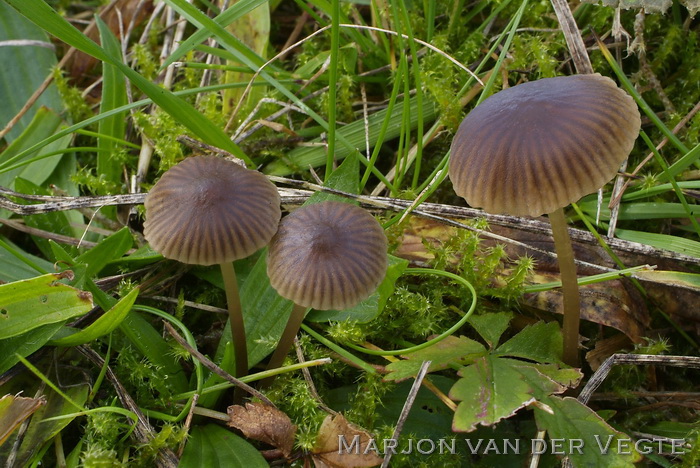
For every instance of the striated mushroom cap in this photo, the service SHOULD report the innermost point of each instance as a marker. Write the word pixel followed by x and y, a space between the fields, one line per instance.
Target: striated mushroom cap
pixel 208 210
pixel 328 255
pixel 541 145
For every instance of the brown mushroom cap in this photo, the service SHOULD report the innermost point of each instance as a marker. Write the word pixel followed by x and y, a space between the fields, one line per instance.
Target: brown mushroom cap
pixel 542 145
pixel 328 255
pixel 208 210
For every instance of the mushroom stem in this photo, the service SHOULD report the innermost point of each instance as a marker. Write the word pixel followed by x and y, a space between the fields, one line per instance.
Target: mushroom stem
pixel 287 338
pixel 567 270
pixel 235 316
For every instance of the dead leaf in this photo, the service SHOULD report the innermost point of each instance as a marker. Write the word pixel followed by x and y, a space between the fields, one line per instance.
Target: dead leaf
pixel 342 445
pixel 607 303
pixel 264 423
pixel 14 410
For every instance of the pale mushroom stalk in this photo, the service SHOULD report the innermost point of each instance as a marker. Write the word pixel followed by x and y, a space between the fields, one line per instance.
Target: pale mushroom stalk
pixel 235 316
pixel 569 283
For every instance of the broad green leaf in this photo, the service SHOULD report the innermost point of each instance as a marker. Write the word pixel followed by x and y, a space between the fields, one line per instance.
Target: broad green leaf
pixel 39 431
pixel 214 446
pixel 25 344
pixel 371 307
pixel 14 410
pixel 18 264
pixel 29 304
pixel 113 96
pixel 540 342
pixel 111 248
pixel 495 388
pixel 491 326
pixel 45 17
pixel 31 64
pixel 451 350
pixel 44 124
pixel 573 421
pixel 641 210
pixel 103 325
pixel 345 178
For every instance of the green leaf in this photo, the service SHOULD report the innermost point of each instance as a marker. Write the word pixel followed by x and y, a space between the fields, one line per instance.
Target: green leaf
pixel 495 388
pixel 103 325
pixel 25 344
pixel 18 264
pixel 573 421
pixel 491 326
pixel 540 342
pixel 109 249
pixel 661 241
pixel 214 446
pixel 371 307
pixel 113 96
pixel 31 303
pixel 345 178
pixel 443 354
pixel 31 64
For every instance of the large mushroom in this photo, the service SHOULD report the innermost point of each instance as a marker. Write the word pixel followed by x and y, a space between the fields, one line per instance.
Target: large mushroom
pixel 539 146
pixel 327 255
pixel 208 210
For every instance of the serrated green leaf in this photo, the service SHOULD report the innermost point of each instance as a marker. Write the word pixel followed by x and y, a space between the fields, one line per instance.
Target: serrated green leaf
pixel 573 421
pixel 495 388
pixel 443 354
pixel 491 326
pixel 29 304
pixel 214 446
pixel 103 325
pixel 541 342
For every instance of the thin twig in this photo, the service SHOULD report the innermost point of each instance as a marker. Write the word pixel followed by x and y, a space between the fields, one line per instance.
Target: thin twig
pixel 213 367
pixel 407 408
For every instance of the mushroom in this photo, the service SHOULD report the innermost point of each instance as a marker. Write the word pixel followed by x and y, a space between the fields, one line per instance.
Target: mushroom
pixel 326 255
pixel 208 210
pixel 539 146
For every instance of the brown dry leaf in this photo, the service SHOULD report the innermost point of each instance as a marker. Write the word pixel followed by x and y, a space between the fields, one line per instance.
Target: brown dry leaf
pixel 14 410
pixel 264 423
pixel 118 11
pixel 357 449
pixel 607 303
pixel 411 245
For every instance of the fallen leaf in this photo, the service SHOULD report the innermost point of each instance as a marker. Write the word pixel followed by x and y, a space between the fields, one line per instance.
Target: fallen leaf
pixel 342 445
pixel 14 410
pixel 264 423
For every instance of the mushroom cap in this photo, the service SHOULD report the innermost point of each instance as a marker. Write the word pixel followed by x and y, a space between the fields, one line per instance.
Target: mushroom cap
pixel 328 255
pixel 539 146
pixel 208 210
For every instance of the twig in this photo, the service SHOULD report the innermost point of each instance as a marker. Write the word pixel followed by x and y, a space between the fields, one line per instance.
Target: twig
pixel 143 431
pixel 690 362
pixel 407 408
pixel 574 42
pixel 213 367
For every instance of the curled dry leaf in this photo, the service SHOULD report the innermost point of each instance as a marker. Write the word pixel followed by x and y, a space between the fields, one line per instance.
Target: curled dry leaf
pixel 14 410
pixel 264 423
pixel 342 445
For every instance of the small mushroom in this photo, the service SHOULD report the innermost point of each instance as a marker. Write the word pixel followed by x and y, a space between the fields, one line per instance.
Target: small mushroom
pixel 539 146
pixel 327 255
pixel 208 210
